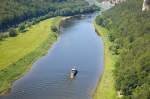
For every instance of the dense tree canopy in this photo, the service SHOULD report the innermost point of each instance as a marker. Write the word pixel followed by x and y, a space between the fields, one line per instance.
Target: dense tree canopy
pixel 130 34
pixel 13 12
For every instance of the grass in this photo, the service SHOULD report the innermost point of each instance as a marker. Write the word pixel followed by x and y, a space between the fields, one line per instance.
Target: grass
pixel 15 48
pixel 106 88
pixel 18 53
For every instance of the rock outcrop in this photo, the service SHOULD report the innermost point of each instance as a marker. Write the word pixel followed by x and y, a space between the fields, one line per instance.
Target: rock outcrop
pixel 117 1
pixel 146 5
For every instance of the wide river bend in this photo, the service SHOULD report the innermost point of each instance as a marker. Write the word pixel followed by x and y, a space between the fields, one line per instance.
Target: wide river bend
pixel 79 46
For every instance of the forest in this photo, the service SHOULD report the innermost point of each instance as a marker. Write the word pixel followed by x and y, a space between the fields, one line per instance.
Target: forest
pixel 13 12
pixel 129 31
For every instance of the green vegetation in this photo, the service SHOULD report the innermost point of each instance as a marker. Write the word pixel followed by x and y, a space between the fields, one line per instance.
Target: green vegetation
pixel 129 33
pixel 12 32
pixel 22 27
pixel 106 87
pixel 13 12
pixel 18 53
pixel 54 28
pixel 30 32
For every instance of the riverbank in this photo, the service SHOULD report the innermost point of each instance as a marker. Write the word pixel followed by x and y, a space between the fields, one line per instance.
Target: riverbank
pixel 18 53
pixel 106 88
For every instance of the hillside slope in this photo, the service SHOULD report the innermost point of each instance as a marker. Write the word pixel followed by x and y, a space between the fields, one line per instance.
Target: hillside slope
pixel 13 12
pixel 130 34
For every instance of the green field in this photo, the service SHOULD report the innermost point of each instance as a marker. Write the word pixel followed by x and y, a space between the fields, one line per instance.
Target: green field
pixel 18 53
pixel 105 88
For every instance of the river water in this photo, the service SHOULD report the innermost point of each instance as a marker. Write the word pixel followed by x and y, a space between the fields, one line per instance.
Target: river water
pixel 79 46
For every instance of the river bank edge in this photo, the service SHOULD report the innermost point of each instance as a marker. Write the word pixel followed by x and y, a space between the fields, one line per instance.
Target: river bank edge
pixel 24 64
pixel 105 88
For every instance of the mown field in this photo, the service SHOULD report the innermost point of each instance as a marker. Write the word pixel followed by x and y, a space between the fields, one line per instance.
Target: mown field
pixel 106 88
pixel 18 53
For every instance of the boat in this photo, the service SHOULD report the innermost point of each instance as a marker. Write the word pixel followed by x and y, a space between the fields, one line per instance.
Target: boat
pixel 73 73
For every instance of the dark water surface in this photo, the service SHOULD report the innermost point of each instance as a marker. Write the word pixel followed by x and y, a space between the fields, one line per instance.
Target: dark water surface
pixel 79 46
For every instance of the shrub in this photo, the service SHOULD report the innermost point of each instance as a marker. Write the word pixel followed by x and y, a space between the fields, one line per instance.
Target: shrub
pixel 22 27
pixel 111 37
pixel 29 24
pixel 3 35
pixel 12 32
pixel 54 29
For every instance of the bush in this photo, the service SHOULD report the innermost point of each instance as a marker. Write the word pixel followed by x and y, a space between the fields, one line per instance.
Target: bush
pixel 54 29
pixel 111 37
pixel 142 92
pixel 12 32
pixel 22 27
pixel 99 20
pixel 3 35
pixel 29 24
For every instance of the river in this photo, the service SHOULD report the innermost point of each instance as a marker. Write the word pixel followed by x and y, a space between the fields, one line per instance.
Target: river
pixel 79 46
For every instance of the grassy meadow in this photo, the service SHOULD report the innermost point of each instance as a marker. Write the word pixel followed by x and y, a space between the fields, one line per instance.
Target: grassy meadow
pixel 106 88
pixel 18 53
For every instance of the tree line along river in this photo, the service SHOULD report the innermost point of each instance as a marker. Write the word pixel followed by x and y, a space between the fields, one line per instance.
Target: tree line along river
pixel 79 46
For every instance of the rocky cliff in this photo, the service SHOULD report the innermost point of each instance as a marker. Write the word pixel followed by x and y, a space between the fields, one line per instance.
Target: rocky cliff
pixel 116 1
pixel 146 5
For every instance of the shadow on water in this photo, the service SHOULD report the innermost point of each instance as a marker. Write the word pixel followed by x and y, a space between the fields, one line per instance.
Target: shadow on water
pixel 79 46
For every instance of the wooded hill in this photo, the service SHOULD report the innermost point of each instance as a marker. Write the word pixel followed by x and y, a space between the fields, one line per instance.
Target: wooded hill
pixel 13 12
pixel 130 34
